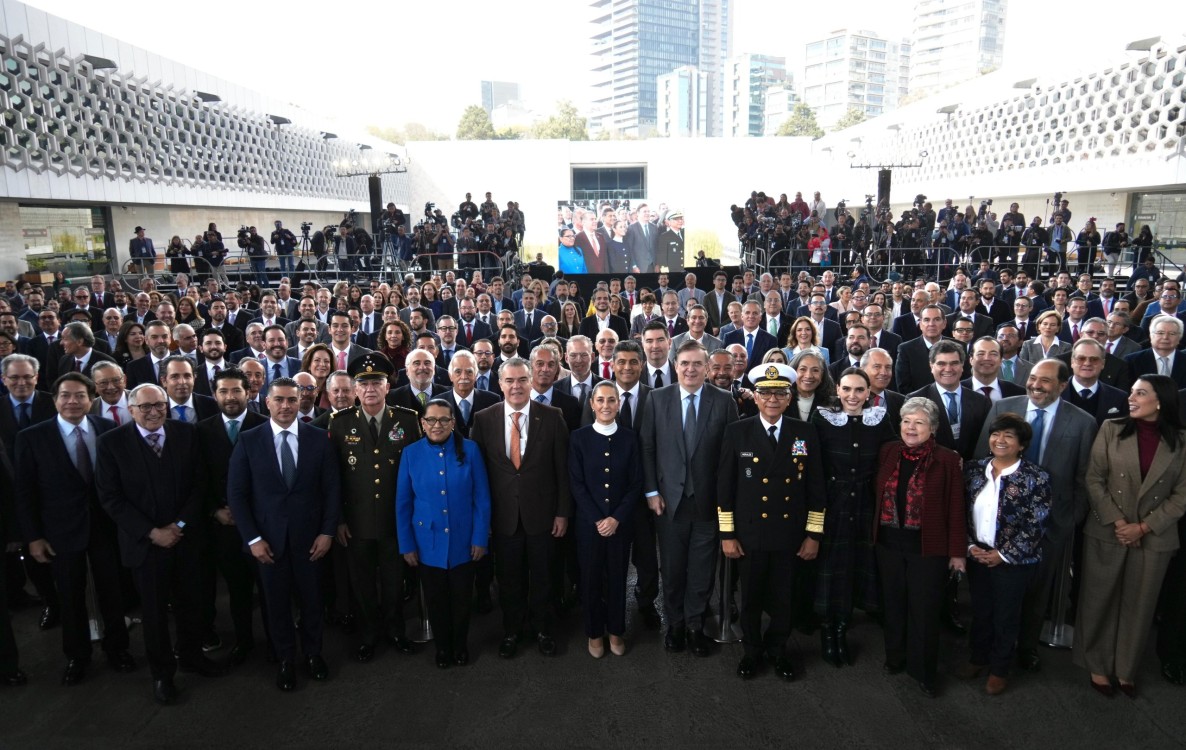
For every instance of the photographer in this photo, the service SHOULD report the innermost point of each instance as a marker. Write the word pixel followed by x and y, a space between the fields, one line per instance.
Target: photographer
pixel 468 210
pixel 466 248
pixel 284 242
pixel 364 249
pixel 176 252
pixel 1033 240
pixel 214 253
pixel 392 218
pixel 980 243
pixel 926 220
pixel 1007 238
pixel 253 243
pixel 1114 244
pixel 843 248
pixel 489 210
pixel 346 250
pixel 442 247
pixel 1088 241
pixel 402 247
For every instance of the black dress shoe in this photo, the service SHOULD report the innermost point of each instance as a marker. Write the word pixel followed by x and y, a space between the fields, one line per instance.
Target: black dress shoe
pixel 508 647
pixel 1029 660
pixel 200 665
pixel 547 645
pixel 747 667
pixel 891 668
pixel 461 657
pixel 286 676
pixel 317 668
pixel 121 661
pixel 75 671
pixel 444 659
pixel 650 617
pixel 211 643
pixel 401 644
pixel 164 691
pixel 239 653
pixel 927 688
pixel 699 644
pixel 49 618
pixel 784 670
pixel 14 679
pixel 675 640
pixel 364 653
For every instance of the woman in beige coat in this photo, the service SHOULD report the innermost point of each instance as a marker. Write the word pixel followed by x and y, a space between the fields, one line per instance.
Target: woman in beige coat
pixel 1136 484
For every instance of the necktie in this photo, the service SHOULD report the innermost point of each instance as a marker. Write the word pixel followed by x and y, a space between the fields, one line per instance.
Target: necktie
pixel 287 460
pixel 78 365
pixel 275 371
pixel 516 437
pixel 232 431
pixel 772 430
pixel 987 391
pixel 953 408
pixel 24 419
pixel 772 327
pixel 604 370
pixel 581 394
pixel 181 411
pixel 1007 369
pixel 217 369
pixel 423 398
pixel 1034 452
pixel 469 333
pixel 82 456
pixel 114 411
pixel 876 400
pixel 658 379
pixel 671 328
pixel 749 345
pixel 1163 366
pixel 1108 348
pixel 341 360
pixel 1085 394
pixel 465 407
pixel 1021 329
pixel 1074 333
pixel 484 382
pixel 373 425
pixel 366 325
pixel 306 419
pixel 626 416
pixel 542 399
pixel 154 441
pixel 689 442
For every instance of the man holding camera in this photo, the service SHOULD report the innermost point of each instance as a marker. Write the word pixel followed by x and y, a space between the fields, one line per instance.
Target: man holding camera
pixel 253 243
pixel 284 241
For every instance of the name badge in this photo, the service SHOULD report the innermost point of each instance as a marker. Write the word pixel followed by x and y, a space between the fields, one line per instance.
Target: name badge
pixel 747 454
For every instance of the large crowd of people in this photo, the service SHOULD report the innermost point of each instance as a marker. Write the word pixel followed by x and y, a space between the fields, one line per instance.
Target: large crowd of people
pixel 855 447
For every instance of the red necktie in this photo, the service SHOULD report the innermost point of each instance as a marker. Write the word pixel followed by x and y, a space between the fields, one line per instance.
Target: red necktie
pixel 987 391
pixel 341 360
pixel 1074 333
pixel 1108 348
pixel 469 333
pixel 876 400
pixel 115 414
pixel 605 370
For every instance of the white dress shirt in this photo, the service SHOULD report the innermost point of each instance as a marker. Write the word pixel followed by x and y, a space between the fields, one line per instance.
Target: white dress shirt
pixel 509 424
pixel 984 508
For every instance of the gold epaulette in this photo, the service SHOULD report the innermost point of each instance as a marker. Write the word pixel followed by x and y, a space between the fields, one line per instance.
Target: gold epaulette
pixel 725 520
pixel 815 522
pixel 405 410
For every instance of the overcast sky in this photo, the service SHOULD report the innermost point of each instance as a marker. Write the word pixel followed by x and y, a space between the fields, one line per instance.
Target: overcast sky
pixel 391 63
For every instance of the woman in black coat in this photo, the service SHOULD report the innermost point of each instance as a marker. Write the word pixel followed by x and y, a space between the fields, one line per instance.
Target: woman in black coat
pixel 605 470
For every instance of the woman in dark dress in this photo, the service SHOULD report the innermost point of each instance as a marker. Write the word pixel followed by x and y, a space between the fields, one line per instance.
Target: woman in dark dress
pixel 852 436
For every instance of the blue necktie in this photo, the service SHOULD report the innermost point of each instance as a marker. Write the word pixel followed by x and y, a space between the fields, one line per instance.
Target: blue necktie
pixel 287 461
pixel 749 345
pixel 483 382
pixel 953 408
pixel 180 412
pixel 275 371
pixel 232 431
pixel 24 419
pixel 465 407
pixel 1034 452
pixel 541 398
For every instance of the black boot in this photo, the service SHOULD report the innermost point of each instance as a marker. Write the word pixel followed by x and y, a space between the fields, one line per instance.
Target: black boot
pixel 842 654
pixel 828 646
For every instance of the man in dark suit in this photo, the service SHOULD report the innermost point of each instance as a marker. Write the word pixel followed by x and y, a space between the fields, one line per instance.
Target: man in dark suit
pixel 141 251
pixel 284 489
pixel 961 411
pixel 146 480
pixel 856 343
pixel 545 367
pixel 528 319
pixel 880 368
pixel 594 246
pixel 525 446
pixel 465 399
pixel 212 347
pixel 1063 435
pixel 342 350
pixel 982 325
pixel 45 347
pixel 233 336
pixel 641 238
pixel 64 526
pixel 147 369
pixel 78 350
pixel 986 371
pixel 276 362
pixel 908 324
pixel 755 340
pixel 422 386
pixel 178 381
pixel 217 436
pixel 873 317
pixel 912 368
pixel 1115 371
pixel 992 305
pixel 270 313
pixel 774 321
pixel 681 435
pixel 469 328
pixel 602 318
pixel 1163 357
pixel 716 303
pixel 373 434
pixel 1087 390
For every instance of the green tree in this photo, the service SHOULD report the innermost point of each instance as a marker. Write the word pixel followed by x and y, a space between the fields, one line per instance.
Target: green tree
pixel 413 131
pixel 854 116
pixel 512 133
pixel 566 124
pixel 475 125
pixel 801 122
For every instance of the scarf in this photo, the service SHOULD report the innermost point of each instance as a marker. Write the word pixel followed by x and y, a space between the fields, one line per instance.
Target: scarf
pixel 921 456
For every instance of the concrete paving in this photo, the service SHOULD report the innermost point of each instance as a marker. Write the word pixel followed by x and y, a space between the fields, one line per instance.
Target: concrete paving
pixel 646 699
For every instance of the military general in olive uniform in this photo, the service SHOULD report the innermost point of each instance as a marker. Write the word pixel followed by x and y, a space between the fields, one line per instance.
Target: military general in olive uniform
pixel 370 439
pixel 770 491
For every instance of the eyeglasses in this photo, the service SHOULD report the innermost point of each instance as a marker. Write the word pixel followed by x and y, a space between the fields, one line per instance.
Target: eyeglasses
pixel 773 394
pixel 446 328
pixel 149 408
pixel 109 383
pixel 307 388
pixel 435 421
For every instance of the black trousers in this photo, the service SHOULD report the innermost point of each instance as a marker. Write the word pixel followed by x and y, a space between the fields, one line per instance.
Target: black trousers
pixel 645 555
pixel 524 568
pixel 9 658
pixel 289 574
pixel 604 562
pixel 227 557
pixel 447 593
pixel 1171 630
pixel 484 574
pixel 767 580
pixel 997 596
pixel 912 586
pixel 376 579
pixel 18 571
pixel 70 575
pixel 1037 595
pixel 334 576
pixel 169 576
pixel 689 556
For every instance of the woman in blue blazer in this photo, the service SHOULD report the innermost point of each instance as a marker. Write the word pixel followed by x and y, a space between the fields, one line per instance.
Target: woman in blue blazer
pixel 1008 503
pixel 605 471
pixel 442 512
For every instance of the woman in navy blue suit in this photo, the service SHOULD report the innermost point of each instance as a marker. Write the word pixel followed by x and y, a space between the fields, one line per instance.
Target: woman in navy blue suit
pixel 605 470
pixel 1008 503
pixel 442 519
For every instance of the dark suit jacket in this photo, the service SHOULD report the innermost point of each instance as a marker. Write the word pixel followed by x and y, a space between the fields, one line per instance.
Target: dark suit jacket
pixel 1000 312
pixel 214 457
pixel 53 501
pixel 205 406
pixel 1106 403
pixel 829 334
pixel 142 371
pixel 564 385
pixel 784 327
pixel 640 247
pixel 763 342
pixel 717 317
pixel 440 376
pixel 588 327
pixel 892 401
pixel 261 501
pixel 594 263
pixel 538 491
pixel 142 492
pixel 982 325
pixel 830 313
pixel 889 341
pixel 1116 372
pixel 66 363
pixel 402 396
pixel 1095 307
pixel 43 409
pixel 1144 362
pixel 905 326
pixel 481 331
pixel 912 368
pixel 568 406
pixel 481 400
pixel 231 335
pixel 529 332
pixel 974 408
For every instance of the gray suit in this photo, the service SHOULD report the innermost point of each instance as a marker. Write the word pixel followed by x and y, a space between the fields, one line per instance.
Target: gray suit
pixel 685 476
pixel 1066 459
pixel 711 343
pixel 1125 346
pixel 1021 371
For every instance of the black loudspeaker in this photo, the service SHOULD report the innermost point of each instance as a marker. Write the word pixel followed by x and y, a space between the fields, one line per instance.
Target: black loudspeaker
pixel 375 186
pixel 883 186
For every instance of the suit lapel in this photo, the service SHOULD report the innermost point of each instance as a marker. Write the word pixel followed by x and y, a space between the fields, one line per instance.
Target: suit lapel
pixel 1162 460
pixel 534 429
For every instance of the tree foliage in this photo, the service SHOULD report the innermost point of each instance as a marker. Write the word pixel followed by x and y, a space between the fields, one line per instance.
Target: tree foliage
pixel 566 124
pixel 801 122
pixel 412 131
pixel 475 125
pixel 854 116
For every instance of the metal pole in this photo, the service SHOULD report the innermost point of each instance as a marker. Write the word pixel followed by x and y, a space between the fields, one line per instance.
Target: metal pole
pixel 421 633
pixel 719 626
pixel 1056 633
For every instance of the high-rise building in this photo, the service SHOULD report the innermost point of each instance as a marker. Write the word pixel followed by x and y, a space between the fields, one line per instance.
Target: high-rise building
pixel 498 93
pixel 780 103
pixel 747 79
pixel 955 40
pixel 682 100
pixel 636 41
pixel 855 70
